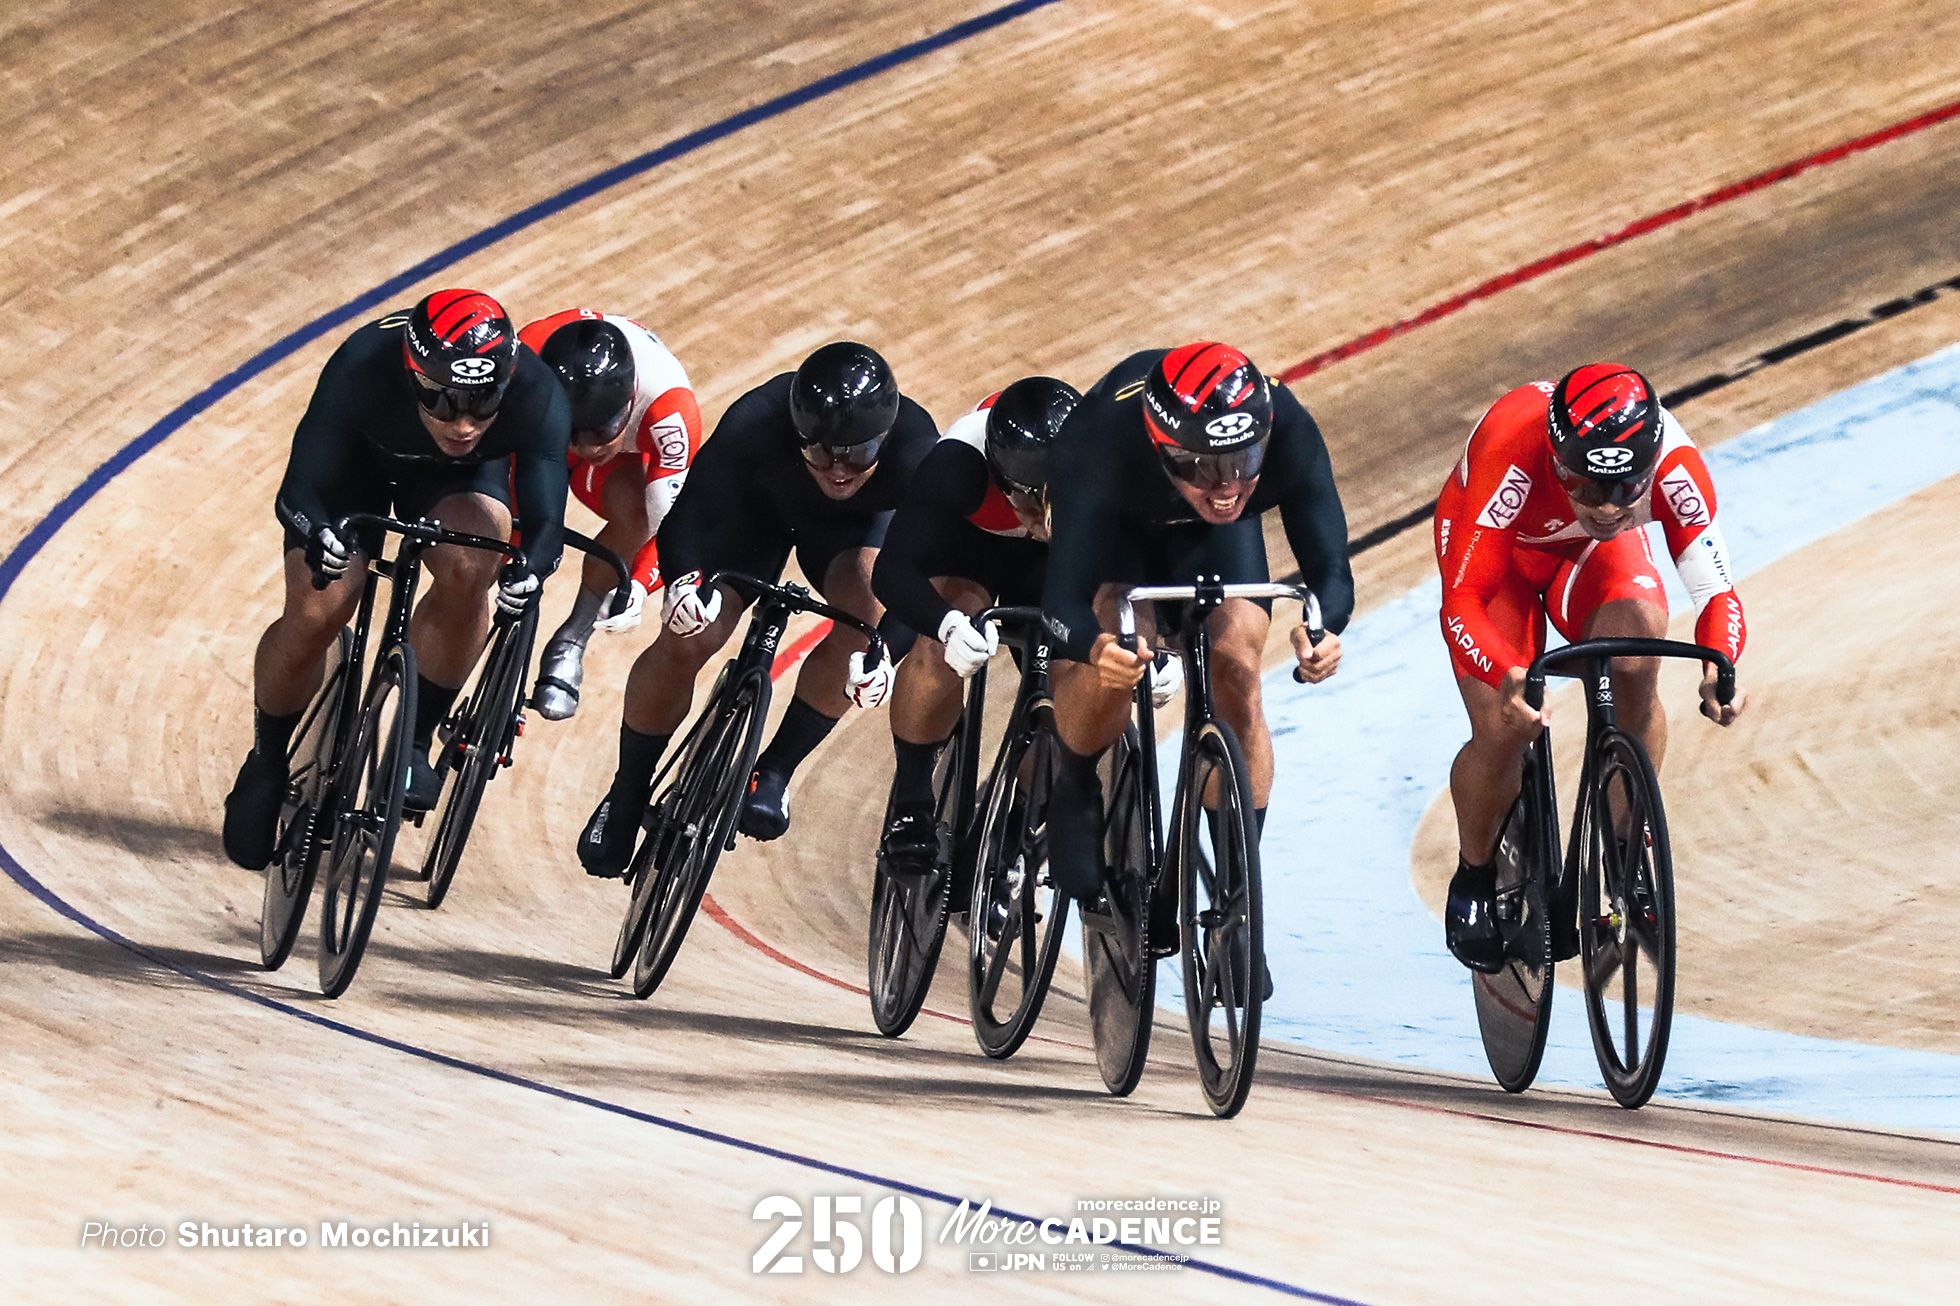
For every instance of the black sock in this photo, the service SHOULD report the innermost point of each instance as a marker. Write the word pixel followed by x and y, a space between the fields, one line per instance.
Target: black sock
pixel 272 735
pixel 912 784
pixel 639 758
pixel 1075 823
pixel 1259 820
pixel 1475 881
pixel 432 704
pixel 802 729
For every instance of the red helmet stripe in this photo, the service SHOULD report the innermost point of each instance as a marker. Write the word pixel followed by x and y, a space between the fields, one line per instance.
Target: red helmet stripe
pixel 1195 370
pixel 454 312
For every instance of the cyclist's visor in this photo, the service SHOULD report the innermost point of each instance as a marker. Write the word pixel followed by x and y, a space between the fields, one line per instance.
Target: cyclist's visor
pixel 1588 493
pixel 859 457
pixel 606 434
pixel 446 404
pixel 1207 471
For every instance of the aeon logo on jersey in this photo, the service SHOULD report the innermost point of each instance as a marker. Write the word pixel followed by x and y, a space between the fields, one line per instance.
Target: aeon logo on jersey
pixel 473 369
pixel 1229 429
pixel 1608 460
pixel 670 437
pixel 1505 505
pixel 1684 498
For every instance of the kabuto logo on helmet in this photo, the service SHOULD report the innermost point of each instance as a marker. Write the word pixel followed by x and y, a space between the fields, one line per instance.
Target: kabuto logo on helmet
pixel 460 337
pixel 1229 429
pixel 473 370
pixel 1610 459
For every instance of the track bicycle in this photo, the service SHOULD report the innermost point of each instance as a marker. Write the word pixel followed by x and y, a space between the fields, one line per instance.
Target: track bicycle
pixel 479 735
pixel 699 789
pixel 1610 902
pixel 1195 892
pixel 348 763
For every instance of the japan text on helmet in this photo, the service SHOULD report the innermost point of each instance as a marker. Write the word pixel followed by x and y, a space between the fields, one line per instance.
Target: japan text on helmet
pixel 1021 426
pixel 593 360
pixel 461 351
pixel 843 402
pixel 1605 428
pixel 1209 413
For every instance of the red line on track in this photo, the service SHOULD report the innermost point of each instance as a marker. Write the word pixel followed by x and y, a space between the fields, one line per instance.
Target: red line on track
pixel 1653 222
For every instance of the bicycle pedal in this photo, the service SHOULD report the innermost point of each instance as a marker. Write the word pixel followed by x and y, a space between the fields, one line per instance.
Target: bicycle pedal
pixel 415 818
pixel 1211 918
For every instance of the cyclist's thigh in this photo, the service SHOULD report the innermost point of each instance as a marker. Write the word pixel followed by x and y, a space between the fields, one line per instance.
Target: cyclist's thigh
pixel 821 543
pixel 622 497
pixel 1608 571
pixel 1519 615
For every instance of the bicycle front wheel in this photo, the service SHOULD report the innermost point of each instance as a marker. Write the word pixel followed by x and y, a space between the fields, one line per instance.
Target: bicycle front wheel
pixel 1119 969
pixel 1220 915
pixel 908 912
pixel 480 739
pixel 367 815
pixel 309 768
pixel 1014 927
pixel 712 789
pixel 1626 918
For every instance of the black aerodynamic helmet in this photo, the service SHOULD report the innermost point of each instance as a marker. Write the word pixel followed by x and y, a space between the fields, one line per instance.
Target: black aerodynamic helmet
pixel 843 395
pixel 593 360
pixel 1021 427
pixel 1209 413
pixel 1605 427
pixel 460 351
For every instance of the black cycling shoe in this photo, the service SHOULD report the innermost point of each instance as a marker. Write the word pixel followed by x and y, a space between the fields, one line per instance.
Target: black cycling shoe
pixel 1470 918
pixel 424 782
pixel 252 811
pixel 605 846
pixel 765 808
pixel 912 843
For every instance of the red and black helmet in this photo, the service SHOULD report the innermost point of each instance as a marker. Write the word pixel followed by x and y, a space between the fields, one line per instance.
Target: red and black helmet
pixel 1209 413
pixel 461 351
pixel 1605 426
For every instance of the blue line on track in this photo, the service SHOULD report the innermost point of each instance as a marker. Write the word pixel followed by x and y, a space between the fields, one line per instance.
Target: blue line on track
pixel 44 531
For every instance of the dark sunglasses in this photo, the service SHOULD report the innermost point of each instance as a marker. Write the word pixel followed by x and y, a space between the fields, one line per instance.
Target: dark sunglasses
pixel 446 405
pixel 1207 471
pixel 852 457
pixel 1589 493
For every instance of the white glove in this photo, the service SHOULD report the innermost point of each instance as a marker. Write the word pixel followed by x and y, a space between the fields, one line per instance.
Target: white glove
pixel 869 688
pixel 687 612
pixel 515 590
pixel 629 616
pixel 1165 681
pixel 967 647
pixel 327 555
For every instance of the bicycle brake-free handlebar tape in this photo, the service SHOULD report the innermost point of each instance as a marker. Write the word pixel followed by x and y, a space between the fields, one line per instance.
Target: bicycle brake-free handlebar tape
pixel 1534 680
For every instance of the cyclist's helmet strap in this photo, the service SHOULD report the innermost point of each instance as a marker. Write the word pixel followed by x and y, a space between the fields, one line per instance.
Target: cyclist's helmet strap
pixel 1605 423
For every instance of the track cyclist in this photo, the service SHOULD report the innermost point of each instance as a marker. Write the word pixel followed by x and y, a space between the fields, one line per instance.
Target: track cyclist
pixel 971 531
pixel 1541 518
pixel 435 412
pixel 813 460
pixel 1160 475
pixel 635 429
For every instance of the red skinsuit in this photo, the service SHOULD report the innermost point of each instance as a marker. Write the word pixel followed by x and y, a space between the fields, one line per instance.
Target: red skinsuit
pixel 1511 553
pixel 666 422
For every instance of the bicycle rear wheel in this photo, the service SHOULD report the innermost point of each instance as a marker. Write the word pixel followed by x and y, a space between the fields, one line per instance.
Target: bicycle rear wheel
pixel 1221 917
pixel 908 913
pixel 1514 1006
pixel 1014 927
pixel 296 856
pixel 369 787
pixel 479 740
pixel 705 822
pixel 1626 919
pixel 1118 969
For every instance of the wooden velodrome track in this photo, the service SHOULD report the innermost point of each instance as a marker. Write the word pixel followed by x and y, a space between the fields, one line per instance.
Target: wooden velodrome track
pixel 187 184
